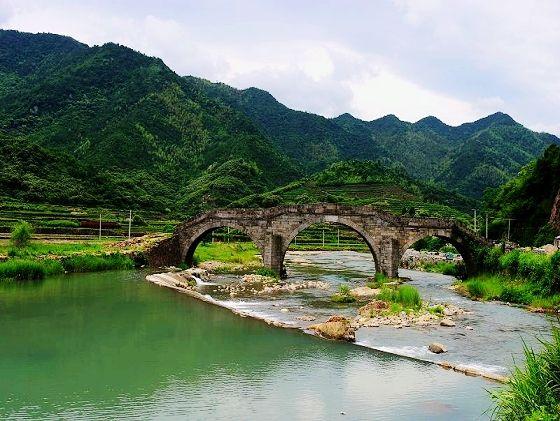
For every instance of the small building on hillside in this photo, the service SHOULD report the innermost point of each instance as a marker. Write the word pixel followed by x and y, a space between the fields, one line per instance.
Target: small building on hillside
pixel 557 242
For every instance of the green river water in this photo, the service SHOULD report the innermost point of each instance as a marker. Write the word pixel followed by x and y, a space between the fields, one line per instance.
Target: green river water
pixel 111 345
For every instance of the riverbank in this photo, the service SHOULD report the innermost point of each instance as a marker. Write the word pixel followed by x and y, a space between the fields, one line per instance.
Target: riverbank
pixel 41 258
pixel 301 309
pixel 519 277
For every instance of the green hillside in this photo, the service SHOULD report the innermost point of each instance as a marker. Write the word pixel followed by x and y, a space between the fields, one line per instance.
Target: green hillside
pixel 107 126
pixel 528 200
pixel 367 183
pixel 468 158
pixel 112 126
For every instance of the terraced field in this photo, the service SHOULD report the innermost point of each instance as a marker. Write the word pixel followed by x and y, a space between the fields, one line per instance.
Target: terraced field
pixel 388 197
pixel 66 222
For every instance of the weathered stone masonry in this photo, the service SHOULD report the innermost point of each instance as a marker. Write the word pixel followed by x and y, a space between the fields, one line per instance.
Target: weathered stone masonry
pixel 273 229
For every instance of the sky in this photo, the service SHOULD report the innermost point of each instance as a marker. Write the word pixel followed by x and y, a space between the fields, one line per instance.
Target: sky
pixel 456 60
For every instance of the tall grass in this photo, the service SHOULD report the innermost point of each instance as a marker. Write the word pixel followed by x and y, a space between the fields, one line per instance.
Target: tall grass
pixel 533 392
pixel 446 268
pixel 343 295
pixel 92 263
pixel 28 270
pixel 36 248
pixel 405 295
pixel 518 277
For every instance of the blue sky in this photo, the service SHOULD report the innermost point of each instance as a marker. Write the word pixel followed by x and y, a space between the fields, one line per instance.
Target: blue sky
pixel 457 60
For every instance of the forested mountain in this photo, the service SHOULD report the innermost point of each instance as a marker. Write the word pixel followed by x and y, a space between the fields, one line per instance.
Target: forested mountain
pixel 108 126
pixel 466 158
pixel 127 120
pixel 528 200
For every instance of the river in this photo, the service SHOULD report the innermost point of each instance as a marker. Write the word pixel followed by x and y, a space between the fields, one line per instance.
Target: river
pixel 111 345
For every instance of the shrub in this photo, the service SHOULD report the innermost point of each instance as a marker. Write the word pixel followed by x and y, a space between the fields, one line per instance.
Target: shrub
pixel 409 296
pixel 436 309
pixel 264 271
pixel 343 295
pixel 21 234
pixel 554 280
pixel 509 262
pixel 534 267
pixel 532 392
pixel 491 260
pixel 138 220
pixel 516 294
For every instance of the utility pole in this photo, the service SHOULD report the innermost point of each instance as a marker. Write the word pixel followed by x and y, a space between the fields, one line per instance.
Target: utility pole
pixel 100 225
pixel 487 225
pixel 228 234
pixel 338 237
pixel 129 222
pixel 509 227
pixel 474 220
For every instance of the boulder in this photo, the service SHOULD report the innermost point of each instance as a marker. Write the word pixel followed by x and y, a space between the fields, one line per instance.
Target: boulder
pixel 364 293
pixel 372 307
pixel 198 272
pixel 447 323
pixel 336 327
pixel 306 318
pixel 258 279
pixel 437 348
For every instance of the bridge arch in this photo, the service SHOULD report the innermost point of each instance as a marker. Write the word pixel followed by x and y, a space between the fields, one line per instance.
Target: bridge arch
pixel 188 249
pixel 464 249
pixel 332 219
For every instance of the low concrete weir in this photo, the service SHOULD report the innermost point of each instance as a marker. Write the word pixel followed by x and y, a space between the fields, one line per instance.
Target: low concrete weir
pixel 273 229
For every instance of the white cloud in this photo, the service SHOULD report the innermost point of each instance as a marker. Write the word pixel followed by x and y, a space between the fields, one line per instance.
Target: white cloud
pixel 452 59
pixel 380 93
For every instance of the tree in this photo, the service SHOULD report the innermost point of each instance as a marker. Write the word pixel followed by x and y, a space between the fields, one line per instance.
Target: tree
pixel 21 234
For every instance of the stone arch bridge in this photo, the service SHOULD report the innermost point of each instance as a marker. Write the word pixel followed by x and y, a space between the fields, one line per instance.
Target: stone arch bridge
pixel 273 229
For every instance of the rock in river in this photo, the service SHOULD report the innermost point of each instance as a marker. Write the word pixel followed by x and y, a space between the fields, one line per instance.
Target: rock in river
pixel 364 293
pixel 336 327
pixel 447 323
pixel 437 348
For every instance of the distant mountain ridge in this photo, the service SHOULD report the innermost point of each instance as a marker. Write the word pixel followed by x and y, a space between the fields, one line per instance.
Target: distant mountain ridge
pixel 109 126
pixel 467 158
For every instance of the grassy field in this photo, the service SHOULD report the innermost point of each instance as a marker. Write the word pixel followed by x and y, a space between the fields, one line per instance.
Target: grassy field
pixel 55 248
pixel 239 253
pixel 60 221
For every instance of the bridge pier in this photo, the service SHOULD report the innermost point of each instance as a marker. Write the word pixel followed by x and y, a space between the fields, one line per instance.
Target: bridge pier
pixel 273 254
pixel 389 257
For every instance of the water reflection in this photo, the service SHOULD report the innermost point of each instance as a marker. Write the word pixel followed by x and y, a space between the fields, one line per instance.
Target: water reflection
pixel 110 345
